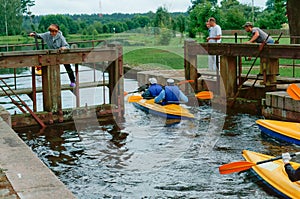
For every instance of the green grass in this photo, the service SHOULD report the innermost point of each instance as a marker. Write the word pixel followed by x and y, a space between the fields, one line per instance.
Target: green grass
pixel 154 57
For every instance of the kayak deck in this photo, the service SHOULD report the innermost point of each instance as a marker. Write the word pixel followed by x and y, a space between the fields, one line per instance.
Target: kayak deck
pixel 169 111
pixel 286 131
pixel 273 174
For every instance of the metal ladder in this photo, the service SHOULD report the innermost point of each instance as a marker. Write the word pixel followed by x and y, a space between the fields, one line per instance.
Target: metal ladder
pixel 20 103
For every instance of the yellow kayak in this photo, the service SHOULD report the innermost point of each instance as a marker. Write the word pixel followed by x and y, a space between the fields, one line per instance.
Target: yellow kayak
pixel 273 174
pixel 286 131
pixel 169 111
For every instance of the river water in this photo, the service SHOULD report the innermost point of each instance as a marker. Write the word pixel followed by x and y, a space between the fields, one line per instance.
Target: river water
pixel 145 158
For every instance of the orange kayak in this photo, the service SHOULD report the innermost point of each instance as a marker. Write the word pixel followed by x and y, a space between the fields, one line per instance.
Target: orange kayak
pixel 273 174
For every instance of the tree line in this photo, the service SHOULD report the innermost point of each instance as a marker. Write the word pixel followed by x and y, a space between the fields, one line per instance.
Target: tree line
pixel 16 18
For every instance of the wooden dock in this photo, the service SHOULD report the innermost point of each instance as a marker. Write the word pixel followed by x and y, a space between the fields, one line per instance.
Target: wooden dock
pixel 50 60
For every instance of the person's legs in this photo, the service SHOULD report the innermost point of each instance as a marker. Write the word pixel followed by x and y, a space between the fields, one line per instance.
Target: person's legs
pixel 70 74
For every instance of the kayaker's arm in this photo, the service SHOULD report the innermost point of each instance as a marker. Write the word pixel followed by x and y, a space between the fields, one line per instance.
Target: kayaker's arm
pixel 182 97
pixel 143 87
pixel 160 97
pixel 294 175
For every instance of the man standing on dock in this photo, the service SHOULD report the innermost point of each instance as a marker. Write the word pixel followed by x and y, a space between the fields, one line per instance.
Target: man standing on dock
pixel 215 34
pixel 55 40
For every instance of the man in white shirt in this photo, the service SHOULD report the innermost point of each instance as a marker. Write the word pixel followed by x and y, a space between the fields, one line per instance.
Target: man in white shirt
pixel 215 34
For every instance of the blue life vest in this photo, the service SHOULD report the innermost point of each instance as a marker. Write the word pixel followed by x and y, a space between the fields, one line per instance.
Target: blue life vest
pixel 155 89
pixel 172 95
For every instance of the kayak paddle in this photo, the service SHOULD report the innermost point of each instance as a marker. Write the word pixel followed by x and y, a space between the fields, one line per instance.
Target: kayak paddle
pixel 294 91
pixel 134 98
pixel 126 93
pixel 204 95
pixel 245 165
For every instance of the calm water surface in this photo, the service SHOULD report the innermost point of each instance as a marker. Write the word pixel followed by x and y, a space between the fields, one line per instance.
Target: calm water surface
pixel 145 158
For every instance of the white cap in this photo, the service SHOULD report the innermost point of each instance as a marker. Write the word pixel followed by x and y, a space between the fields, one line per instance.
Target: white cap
pixel 170 81
pixel 152 80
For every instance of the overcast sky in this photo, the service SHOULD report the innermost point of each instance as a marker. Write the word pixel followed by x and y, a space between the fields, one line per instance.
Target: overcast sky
pixel 43 7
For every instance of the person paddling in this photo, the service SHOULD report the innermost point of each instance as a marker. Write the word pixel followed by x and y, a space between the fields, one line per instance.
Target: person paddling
pixel 153 90
pixel 171 94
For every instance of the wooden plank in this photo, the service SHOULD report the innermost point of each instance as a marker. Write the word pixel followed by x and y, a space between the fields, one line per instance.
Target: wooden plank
pixel 18 59
pixel 232 49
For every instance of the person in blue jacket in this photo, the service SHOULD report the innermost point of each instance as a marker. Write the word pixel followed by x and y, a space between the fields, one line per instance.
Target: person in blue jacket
pixel 171 94
pixel 293 174
pixel 153 90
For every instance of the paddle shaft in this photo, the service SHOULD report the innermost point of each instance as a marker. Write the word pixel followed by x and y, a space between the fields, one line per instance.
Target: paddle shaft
pixel 245 165
pixel 277 158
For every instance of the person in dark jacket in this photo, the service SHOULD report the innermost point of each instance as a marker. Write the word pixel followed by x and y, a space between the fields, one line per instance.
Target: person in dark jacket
pixel 293 174
pixel 55 40
pixel 153 90
pixel 171 94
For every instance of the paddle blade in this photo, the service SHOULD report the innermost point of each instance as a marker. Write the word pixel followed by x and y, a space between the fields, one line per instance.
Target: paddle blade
pixel 235 167
pixel 134 98
pixel 125 93
pixel 294 91
pixel 204 95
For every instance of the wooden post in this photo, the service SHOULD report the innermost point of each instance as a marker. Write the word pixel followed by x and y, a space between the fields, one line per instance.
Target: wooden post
pixel 116 89
pixel 228 72
pixel 269 67
pixel 51 88
pixel 190 64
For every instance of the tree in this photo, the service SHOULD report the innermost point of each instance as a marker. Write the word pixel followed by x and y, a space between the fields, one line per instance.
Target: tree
pixel 10 17
pixel 143 21
pixel 25 5
pixel 162 18
pixel 197 2
pixel 181 24
pixel 293 13
pixel 274 16
pixel 198 16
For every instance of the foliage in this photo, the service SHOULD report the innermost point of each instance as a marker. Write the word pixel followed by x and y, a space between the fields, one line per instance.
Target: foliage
pixel 10 17
pixel 274 15
pixel 230 14
pixel 162 18
pixel 165 37
pixel 198 16
pixel 25 5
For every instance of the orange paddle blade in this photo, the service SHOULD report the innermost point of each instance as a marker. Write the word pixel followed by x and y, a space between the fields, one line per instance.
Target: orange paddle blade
pixel 204 95
pixel 134 98
pixel 185 81
pixel 294 91
pixel 235 167
pixel 125 93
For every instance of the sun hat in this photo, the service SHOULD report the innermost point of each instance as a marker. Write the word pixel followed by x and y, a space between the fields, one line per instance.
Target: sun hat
pixel 152 80
pixel 170 81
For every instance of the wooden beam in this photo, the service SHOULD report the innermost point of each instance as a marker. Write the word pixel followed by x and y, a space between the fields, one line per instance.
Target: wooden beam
pixel 19 59
pixel 251 50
